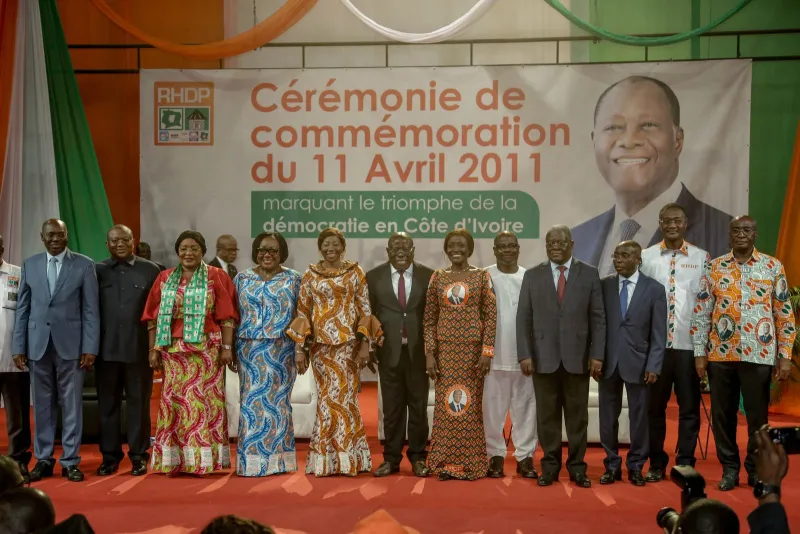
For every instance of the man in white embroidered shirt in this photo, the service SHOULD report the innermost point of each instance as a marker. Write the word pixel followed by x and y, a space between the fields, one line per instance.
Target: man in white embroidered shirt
pixel 506 389
pixel 678 266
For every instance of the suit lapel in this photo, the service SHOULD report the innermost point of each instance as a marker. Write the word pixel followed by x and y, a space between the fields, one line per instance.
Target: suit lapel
pixel 64 273
pixel 416 288
pixel 572 278
pixel 547 280
pixel 638 291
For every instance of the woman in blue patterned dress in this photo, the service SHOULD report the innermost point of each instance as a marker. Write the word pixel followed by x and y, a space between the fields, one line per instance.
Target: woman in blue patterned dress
pixel 267 295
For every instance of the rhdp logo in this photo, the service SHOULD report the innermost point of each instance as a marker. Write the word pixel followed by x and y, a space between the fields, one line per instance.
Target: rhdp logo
pixel 184 113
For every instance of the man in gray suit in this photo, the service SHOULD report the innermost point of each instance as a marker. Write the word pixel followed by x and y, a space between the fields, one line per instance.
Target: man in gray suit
pixel 636 337
pixel 57 333
pixel 397 292
pixel 561 334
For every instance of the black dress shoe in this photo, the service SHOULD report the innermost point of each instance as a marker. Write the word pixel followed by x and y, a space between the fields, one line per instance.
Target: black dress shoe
pixel 495 467
pixel 526 468
pixel 26 476
pixel 41 470
pixel 72 473
pixel 728 482
pixel 581 480
pixel 547 479
pixel 610 476
pixel 636 478
pixel 107 468
pixel 420 469
pixel 139 468
pixel 654 475
pixel 386 469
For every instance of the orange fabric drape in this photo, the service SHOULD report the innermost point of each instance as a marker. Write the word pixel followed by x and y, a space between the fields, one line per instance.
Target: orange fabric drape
pixel 272 27
pixel 8 39
pixel 788 252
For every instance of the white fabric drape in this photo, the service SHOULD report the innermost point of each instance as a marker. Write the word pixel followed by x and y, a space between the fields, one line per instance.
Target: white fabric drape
pixel 39 186
pixel 11 195
pixel 442 34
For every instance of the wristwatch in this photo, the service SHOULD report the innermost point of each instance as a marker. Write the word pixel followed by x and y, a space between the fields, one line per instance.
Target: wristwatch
pixel 761 490
pixel 226 347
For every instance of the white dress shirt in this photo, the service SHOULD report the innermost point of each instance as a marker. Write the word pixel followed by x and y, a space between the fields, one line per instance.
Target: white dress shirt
pixel 632 280
pixel 557 273
pixel 647 218
pixel 680 272
pixel 506 289
pixel 222 264
pixel 59 263
pixel 9 291
pixel 407 275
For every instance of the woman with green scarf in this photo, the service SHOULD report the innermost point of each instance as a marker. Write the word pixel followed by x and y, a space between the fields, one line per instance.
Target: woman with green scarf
pixel 191 313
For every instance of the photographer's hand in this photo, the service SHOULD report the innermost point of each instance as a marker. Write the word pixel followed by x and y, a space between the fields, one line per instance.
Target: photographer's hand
pixel 771 461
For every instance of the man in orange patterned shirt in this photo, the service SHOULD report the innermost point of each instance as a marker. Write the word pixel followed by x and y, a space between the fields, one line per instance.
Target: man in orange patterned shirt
pixel 742 331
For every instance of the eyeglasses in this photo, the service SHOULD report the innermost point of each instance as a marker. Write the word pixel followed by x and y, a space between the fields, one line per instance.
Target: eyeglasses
pixel 509 246
pixel 677 221
pixel 557 243
pixel 118 240
pixel 270 251
pixel 746 232
pixel 194 250
pixel 398 250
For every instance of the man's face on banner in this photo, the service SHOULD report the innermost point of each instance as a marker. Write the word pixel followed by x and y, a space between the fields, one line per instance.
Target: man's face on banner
pixel 636 143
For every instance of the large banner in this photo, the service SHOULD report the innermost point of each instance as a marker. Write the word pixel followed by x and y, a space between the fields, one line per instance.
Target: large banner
pixel 599 148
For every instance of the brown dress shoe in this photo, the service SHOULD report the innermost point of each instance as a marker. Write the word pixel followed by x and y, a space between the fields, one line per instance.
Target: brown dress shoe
pixel 420 469
pixel 526 468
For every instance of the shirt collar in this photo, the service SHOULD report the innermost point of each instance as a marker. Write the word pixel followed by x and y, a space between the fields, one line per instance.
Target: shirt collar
pixel 130 262
pixel 647 215
pixel 5 267
pixel 753 259
pixel 683 250
pixel 60 257
pixel 410 269
pixel 633 279
pixel 554 266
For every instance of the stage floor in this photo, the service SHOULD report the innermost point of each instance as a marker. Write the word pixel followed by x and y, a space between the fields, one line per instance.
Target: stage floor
pixel 295 504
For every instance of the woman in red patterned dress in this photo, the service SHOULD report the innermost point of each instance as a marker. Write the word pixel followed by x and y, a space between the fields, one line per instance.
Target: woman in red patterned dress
pixel 191 313
pixel 460 320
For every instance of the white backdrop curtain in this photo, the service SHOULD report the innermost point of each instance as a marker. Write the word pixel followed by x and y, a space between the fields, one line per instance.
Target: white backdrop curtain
pixel 442 34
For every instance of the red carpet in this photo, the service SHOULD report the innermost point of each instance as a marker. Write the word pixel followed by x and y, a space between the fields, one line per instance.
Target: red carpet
pixel 296 504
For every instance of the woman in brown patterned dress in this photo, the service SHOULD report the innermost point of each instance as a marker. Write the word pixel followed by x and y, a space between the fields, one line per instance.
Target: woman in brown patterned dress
pixel 460 320
pixel 335 328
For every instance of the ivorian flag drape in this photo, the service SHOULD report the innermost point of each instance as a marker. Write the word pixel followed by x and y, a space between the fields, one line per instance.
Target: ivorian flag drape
pixel 49 167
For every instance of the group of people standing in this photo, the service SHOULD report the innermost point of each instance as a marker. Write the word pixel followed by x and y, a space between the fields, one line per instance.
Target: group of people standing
pixel 667 316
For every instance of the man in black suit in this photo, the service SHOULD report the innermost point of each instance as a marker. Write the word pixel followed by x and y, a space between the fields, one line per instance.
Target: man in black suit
pixel 397 291
pixel 143 251
pixel 227 251
pixel 123 365
pixel 636 337
pixel 638 142
pixel 561 334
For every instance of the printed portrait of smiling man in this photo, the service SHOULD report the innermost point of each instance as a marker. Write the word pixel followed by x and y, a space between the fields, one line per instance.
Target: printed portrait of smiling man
pixel 638 141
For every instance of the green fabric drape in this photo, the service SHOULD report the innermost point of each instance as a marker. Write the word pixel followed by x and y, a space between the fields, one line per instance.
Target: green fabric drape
pixel 643 41
pixel 81 194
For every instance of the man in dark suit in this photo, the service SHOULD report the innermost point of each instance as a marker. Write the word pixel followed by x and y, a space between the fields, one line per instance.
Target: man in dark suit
pixel 638 142
pixel 397 291
pixel 123 365
pixel 636 337
pixel 227 251
pixel 561 332
pixel 57 333
pixel 143 251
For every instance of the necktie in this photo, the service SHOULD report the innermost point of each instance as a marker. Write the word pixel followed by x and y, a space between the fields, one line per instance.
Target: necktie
pixel 623 297
pixel 232 270
pixel 401 297
pixel 627 229
pixel 562 283
pixel 52 275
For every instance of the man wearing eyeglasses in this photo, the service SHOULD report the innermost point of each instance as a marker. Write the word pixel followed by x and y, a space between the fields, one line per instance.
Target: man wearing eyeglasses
pixel 506 388
pixel 678 266
pixel 747 288
pixel 122 365
pixel 397 294
pixel 227 251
